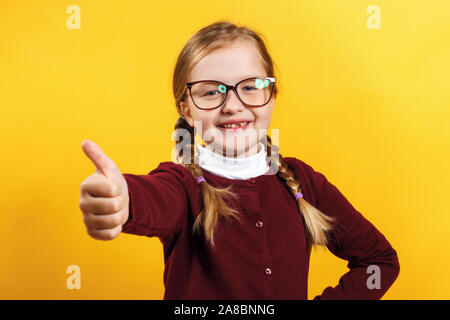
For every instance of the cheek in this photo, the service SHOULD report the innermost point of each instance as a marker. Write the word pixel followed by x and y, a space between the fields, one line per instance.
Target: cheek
pixel 201 118
pixel 204 123
pixel 207 122
pixel 263 117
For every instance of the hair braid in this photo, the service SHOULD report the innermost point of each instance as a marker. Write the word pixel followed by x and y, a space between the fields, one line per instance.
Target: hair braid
pixel 317 223
pixel 214 204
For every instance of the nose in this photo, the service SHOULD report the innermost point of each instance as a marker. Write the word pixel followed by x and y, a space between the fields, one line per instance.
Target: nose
pixel 232 104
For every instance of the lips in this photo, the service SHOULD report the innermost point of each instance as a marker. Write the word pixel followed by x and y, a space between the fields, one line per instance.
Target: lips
pixel 234 121
pixel 235 125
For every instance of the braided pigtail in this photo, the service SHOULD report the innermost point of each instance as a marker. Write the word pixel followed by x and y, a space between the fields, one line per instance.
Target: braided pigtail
pixel 317 223
pixel 214 204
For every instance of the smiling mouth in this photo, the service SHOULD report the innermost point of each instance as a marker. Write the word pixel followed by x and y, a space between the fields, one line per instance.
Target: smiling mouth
pixel 235 125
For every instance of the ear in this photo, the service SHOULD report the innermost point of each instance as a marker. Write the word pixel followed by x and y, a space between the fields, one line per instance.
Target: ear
pixel 187 113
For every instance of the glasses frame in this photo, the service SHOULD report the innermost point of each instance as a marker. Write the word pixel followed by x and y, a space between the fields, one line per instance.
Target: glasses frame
pixel 234 88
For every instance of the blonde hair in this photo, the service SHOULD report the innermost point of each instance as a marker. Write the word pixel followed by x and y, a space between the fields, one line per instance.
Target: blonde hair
pixel 209 38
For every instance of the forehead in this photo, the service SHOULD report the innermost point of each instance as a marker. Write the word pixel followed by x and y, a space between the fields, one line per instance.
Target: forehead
pixel 236 61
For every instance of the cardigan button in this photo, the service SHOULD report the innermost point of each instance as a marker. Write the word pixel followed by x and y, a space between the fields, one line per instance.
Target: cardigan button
pixel 259 224
pixel 252 180
pixel 268 271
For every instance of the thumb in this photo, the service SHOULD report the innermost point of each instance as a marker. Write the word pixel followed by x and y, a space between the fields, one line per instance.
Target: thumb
pixel 103 164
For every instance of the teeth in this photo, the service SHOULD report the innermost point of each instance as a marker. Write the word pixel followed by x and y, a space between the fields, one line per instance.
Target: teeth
pixel 235 125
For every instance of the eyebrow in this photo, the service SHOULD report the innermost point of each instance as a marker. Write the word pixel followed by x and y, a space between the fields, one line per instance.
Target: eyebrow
pixel 242 78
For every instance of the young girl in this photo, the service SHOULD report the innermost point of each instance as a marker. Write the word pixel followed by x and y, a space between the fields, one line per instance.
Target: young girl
pixel 236 220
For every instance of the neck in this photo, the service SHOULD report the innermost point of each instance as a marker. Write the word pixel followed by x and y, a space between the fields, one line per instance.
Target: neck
pixel 234 167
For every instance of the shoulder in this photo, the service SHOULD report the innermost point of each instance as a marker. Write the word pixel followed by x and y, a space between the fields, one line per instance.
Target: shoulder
pixel 180 179
pixel 174 171
pixel 312 182
pixel 173 168
pixel 324 194
pixel 304 169
pixel 168 173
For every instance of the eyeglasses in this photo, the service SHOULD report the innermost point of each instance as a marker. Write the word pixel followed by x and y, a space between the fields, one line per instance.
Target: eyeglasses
pixel 211 94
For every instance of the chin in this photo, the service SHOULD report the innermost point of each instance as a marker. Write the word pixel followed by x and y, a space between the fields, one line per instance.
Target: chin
pixel 240 150
pixel 232 143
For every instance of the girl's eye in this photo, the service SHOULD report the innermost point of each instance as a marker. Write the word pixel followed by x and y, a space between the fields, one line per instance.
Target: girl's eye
pixel 249 88
pixel 208 93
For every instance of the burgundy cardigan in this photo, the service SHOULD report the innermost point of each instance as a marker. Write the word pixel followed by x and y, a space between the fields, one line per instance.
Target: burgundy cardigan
pixel 266 256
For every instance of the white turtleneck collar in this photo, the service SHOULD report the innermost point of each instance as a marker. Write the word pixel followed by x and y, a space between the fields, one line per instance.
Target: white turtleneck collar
pixel 233 168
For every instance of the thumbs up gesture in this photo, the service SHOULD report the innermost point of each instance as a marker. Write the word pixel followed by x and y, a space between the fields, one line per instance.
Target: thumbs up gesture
pixel 104 198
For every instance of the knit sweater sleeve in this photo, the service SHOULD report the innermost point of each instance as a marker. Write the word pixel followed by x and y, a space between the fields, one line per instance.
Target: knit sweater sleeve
pixel 161 201
pixel 373 263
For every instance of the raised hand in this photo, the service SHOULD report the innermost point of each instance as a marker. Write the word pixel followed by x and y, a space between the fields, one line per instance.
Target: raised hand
pixel 104 198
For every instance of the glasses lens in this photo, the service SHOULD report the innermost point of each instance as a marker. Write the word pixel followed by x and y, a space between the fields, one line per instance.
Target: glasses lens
pixel 208 95
pixel 255 92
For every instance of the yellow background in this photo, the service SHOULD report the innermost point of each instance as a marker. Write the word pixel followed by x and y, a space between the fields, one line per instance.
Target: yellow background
pixel 370 109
